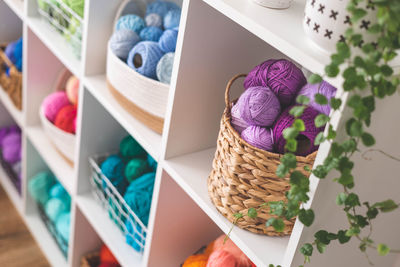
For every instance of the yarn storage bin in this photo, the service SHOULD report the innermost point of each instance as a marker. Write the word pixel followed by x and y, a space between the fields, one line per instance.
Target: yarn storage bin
pixel 91 260
pixel 12 83
pixel 145 98
pixel 243 177
pixel 63 141
pixel 10 173
pixel 112 201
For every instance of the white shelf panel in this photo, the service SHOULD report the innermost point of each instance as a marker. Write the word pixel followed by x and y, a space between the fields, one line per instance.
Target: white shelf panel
pixel 54 160
pixel 56 43
pixel 14 112
pixel 17 6
pixel 108 231
pixel 190 172
pixel 150 140
pixel 12 192
pixel 45 241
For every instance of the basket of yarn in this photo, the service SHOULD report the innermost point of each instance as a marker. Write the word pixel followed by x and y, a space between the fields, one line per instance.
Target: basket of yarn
pixel 250 144
pixel 123 183
pixel 58 114
pixel 140 57
pixel 102 258
pixel 11 71
pixel 65 16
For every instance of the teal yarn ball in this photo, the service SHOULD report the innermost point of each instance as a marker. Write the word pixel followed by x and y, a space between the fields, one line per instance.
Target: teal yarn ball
pixel 113 168
pixel 122 41
pixel 58 191
pixel 172 19
pixel 139 236
pixel 39 186
pixel 63 224
pixel 54 208
pixel 135 168
pixel 164 68
pixel 151 34
pixel 77 6
pixel 167 42
pixel 130 148
pixel 161 7
pixel 144 57
pixel 131 22
pixel 152 163
pixel 153 19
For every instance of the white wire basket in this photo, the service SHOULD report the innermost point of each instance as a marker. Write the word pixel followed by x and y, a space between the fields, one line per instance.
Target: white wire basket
pixel 112 201
pixel 62 18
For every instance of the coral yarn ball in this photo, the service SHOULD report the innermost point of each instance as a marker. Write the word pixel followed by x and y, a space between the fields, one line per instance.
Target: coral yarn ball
pixel 221 258
pixel 65 119
pixel 106 255
pixel 72 89
pixel 53 103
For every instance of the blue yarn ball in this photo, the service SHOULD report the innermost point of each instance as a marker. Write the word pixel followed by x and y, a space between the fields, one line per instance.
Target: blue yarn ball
pixel 113 168
pixel 130 22
pixel 152 163
pixel 161 7
pixel 54 208
pixel 39 186
pixel 153 19
pixel 9 51
pixel 164 68
pixel 18 51
pixel 58 191
pixel 167 42
pixel 144 58
pixel 63 225
pixel 151 34
pixel 172 18
pixel 122 41
pixel 135 237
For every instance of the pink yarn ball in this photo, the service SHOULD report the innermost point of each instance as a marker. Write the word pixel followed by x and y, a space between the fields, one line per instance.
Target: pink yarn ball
pixel 237 122
pixel 259 137
pixel 72 89
pixel 221 258
pixel 53 103
pixel 241 259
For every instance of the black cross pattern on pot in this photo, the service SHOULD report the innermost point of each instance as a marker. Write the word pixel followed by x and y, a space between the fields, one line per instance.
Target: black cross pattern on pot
pixel 347 20
pixel 361 43
pixel 312 3
pixel 375 45
pixel 370 5
pixel 308 21
pixel 342 38
pixel 365 24
pixel 328 34
pixel 333 14
pixel 321 8
pixel 316 27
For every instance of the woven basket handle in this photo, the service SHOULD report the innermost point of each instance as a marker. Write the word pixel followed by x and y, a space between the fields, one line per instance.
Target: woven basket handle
pixel 228 88
pixel 6 60
pixel 130 7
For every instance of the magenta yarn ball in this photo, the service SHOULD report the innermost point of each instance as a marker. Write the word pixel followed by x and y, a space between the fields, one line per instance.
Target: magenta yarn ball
pixel 283 77
pixel 236 121
pixel 259 137
pixel 259 106
pixel 305 140
pixel 323 88
pixel 53 103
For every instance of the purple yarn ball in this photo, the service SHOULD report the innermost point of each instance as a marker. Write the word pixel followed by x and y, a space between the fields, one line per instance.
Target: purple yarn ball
pixel 283 77
pixel 236 121
pixel 11 148
pixel 259 137
pixel 259 106
pixel 8 130
pixel 305 140
pixel 322 88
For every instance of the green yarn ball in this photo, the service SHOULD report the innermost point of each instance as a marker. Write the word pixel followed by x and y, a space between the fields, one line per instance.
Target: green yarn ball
pixel 135 168
pixel 39 186
pixel 77 6
pixel 130 148
pixel 54 208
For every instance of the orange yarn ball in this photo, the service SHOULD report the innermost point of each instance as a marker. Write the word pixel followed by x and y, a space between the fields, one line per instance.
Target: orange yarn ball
pixel 72 89
pixel 199 260
pixel 65 119
pixel 209 249
pixel 107 256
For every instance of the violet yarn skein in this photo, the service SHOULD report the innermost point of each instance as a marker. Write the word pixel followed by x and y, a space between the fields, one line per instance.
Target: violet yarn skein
pixel 259 137
pixel 259 106
pixel 283 77
pixel 305 139
pixel 322 88
pixel 236 121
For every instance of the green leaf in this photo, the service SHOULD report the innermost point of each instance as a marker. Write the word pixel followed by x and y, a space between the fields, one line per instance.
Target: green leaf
pixel 353 231
pixel 386 206
pixel 314 78
pixel 277 207
pixel 321 247
pixel 386 70
pixel 322 236
pixel 341 198
pixel 321 120
pixel 332 70
pixel 282 170
pixel 306 217
pixel 320 171
pixel 358 13
pixel 252 213
pixel 320 99
pixel 290 133
pixel 299 179
pixel 335 103
pixel 238 215
pixel 302 99
pixel 352 200
pixel 372 213
pixel 354 101
pixel 307 249
pixel 361 221
pixel 297 111
pixel 319 139
pixel 382 249
pixel 363 246
pixel 291 145
pixel 289 160
pixel 349 145
pixel 331 133
pixel 343 49
pixel 277 223
pixel 346 179
pixel 298 124
pixel 342 237
pixel 336 150
pixel 354 127
pixel 367 139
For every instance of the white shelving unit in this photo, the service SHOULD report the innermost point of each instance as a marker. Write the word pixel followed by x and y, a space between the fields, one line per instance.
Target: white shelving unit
pixel 217 39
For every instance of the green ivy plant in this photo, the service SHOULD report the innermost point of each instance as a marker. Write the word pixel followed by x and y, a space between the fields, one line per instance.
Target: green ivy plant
pixel 367 77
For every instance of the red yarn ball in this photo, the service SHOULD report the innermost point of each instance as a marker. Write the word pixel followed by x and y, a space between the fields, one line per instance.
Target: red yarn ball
pixel 65 119
pixel 107 256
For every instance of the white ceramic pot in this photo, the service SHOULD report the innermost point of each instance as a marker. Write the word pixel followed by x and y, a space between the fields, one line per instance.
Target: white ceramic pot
pixel 326 21
pixel 279 4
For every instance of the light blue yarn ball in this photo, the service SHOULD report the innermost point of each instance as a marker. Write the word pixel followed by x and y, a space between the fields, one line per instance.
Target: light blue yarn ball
pixel 152 163
pixel 161 7
pixel 63 225
pixel 144 58
pixel 135 237
pixel 122 41
pixel 54 208
pixel 167 41
pixel 164 68
pixel 39 186
pixel 130 22
pixel 172 18
pixel 58 191
pixel 153 19
pixel 151 34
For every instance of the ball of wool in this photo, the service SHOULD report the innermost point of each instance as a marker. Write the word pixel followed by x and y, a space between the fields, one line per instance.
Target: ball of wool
pixel 259 137
pixel 135 168
pixel 53 103
pixel 106 255
pixel 113 169
pixel 259 106
pixel 153 19
pixel 168 40
pixel 130 148
pixel 161 7
pixel 114 211
pixel 18 51
pixel 58 191
pixel 227 245
pixel 237 122
pixel 9 51
pixel 39 186
pixel 108 264
pixel 164 68
pixel 172 18
pixel 135 236
pixel 221 258
pixel 65 119
pixel 199 260
pixel 5 131
pixel 72 89
pixel 11 145
pixel 63 225
pixel 77 6
pixel 54 208
pixel 11 139
pixel 144 58
pixel 151 33
pixel 131 22
pixel 305 140
pixel 122 41
pixel 152 163
pixel 283 77
pixel 323 88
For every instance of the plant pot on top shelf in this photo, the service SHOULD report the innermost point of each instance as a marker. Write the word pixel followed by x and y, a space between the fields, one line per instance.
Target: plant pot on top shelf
pixel 276 4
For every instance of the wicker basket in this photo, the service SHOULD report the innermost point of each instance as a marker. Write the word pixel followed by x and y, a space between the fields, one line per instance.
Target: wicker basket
pixel 10 173
pixel 243 177
pixel 145 98
pixel 11 83
pixel 91 260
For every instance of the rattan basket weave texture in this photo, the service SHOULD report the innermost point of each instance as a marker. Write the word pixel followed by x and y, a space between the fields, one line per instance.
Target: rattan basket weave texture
pixel 11 83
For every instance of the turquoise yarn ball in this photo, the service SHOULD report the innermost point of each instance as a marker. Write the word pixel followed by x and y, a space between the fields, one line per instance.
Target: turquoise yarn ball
pixel 135 168
pixel 160 7
pixel 131 22
pixel 135 230
pixel 172 18
pixel 167 42
pixel 164 68
pixel 153 19
pixel 122 41
pixel 39 186
pixel 151 162
pixel 58 191
pixel 144 58
pixel 130 148
pixel 54 208
pixel 113 169
pixel 151 34
pixel 63 225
